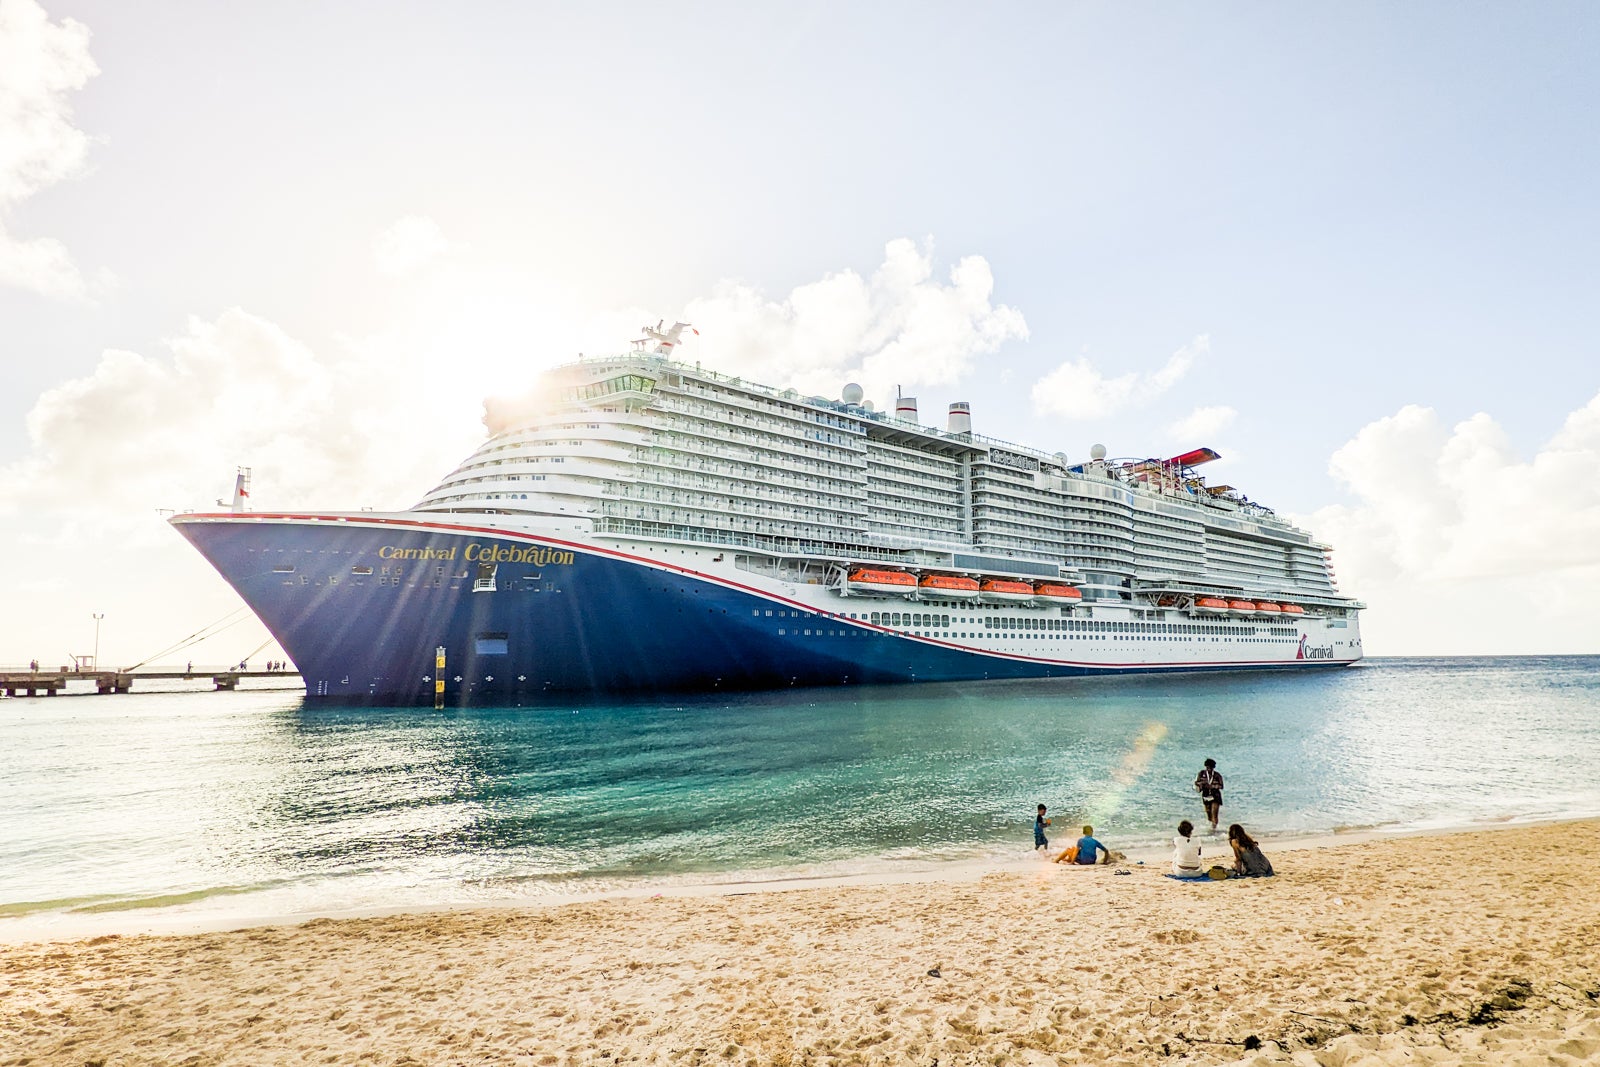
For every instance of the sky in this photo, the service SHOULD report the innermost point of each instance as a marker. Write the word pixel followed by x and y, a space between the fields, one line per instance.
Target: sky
pixel 1352 247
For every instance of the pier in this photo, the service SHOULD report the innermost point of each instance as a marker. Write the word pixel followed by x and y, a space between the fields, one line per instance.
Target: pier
pixel 17 683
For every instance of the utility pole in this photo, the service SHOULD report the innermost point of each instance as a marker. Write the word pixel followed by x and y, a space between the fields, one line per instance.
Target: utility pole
pixel 98 616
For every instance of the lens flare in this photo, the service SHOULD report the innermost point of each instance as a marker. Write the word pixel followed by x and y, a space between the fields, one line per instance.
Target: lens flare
pixel 1109 801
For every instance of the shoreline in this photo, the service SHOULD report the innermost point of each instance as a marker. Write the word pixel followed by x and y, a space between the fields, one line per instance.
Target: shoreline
pixel 175 920
pixel 1385 950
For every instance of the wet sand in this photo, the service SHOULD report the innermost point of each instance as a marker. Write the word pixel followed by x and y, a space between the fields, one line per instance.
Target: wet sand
pixel 1478 947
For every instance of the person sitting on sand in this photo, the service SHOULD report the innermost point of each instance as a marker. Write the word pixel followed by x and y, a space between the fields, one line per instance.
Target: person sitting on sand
pixel 1248 862
pixel 1088 847
pixel 1185 852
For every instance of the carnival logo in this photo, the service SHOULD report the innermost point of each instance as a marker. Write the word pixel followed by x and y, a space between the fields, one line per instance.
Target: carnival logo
pixel 535 555
pixel 1313 651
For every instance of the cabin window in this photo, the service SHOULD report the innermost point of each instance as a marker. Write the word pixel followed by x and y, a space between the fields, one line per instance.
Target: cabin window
pixel 490 644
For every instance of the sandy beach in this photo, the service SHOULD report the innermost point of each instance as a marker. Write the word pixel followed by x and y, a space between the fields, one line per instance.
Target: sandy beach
pixel 1479 947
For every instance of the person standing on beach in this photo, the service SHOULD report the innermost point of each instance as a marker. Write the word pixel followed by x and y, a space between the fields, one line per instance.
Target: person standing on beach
pixel 1039 823
pixel 1208 783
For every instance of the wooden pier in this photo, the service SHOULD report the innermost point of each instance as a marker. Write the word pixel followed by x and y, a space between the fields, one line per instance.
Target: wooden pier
pixel 15 683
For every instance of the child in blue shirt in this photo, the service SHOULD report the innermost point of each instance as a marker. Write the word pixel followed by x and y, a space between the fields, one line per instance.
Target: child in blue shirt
pixel 1088 848
pixel 1039 823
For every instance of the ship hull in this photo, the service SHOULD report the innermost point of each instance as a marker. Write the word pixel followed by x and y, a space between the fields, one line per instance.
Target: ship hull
pixel 362 605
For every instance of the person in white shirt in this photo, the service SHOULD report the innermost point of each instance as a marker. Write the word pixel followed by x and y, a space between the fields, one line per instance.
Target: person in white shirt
pixel 1185 852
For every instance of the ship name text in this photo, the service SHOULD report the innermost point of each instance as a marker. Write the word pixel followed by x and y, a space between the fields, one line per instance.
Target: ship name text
pixel 537 555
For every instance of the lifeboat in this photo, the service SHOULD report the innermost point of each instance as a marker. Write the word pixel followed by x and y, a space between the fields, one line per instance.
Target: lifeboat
pixel 1214 605
pixel 1293 609
pixel 1000 589
pixel 1266 607
pixel 1057 594
pixel 947 585
pixel 1242 607
pixel 867 580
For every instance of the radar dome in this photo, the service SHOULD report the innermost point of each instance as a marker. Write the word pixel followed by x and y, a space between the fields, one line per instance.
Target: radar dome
pixel 869 406
pixel 1097 452
pixel 852 394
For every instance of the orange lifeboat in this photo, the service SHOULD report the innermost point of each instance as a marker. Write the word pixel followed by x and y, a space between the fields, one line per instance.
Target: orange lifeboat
pixel 1242 607
pixel 1000 589
pixel 947 585
pixel 867 580
pixel 1266 607
pixel 1293 609
pixel 1057 594
pixel 1211 604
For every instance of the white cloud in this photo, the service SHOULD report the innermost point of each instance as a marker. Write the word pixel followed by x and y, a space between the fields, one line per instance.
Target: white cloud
pixel 1453 534
pixel 1078 389
pixel 408 245
pixel 899 327
pixel 1203 422
pixel 140 432
pixel 41 63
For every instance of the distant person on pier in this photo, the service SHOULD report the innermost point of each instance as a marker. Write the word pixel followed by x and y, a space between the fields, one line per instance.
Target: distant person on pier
pixel 1208 783
pixel 33 665
pixel 189 668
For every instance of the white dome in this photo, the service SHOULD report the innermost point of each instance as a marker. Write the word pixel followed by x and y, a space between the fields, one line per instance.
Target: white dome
pixel 852 394
pixel 1097 452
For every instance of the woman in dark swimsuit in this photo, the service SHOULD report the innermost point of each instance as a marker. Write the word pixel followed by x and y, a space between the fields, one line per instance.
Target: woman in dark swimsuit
pixel 1248 862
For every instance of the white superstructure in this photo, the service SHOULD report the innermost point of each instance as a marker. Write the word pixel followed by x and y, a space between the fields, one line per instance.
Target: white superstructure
pixel 790 496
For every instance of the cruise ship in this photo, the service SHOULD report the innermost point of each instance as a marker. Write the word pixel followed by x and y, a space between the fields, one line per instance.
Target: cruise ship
pixel 637 523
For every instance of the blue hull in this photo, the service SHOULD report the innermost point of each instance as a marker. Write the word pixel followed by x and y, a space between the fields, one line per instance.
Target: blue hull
pixel 561 617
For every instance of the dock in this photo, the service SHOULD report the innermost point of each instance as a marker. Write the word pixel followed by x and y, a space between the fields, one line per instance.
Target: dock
pixel 15 683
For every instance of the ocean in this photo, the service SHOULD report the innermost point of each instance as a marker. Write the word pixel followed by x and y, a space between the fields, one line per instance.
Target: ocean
pixel 251 804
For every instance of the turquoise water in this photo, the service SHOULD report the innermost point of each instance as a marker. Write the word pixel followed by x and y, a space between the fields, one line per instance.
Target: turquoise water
pixel 252 803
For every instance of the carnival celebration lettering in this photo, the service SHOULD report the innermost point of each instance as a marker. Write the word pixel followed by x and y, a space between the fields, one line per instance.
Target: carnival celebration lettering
pixel 536 555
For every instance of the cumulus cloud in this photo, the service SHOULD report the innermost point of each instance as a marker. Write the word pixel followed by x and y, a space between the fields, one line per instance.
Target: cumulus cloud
pixel 408 245
pixel 142 432
pixel 1202 422
pixel 1079 389
pixel 901 326
pixel 41 63
pixel 1449 522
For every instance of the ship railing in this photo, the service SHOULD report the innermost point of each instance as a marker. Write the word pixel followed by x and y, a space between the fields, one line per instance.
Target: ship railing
pixel 1116 469
pixel 775 544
